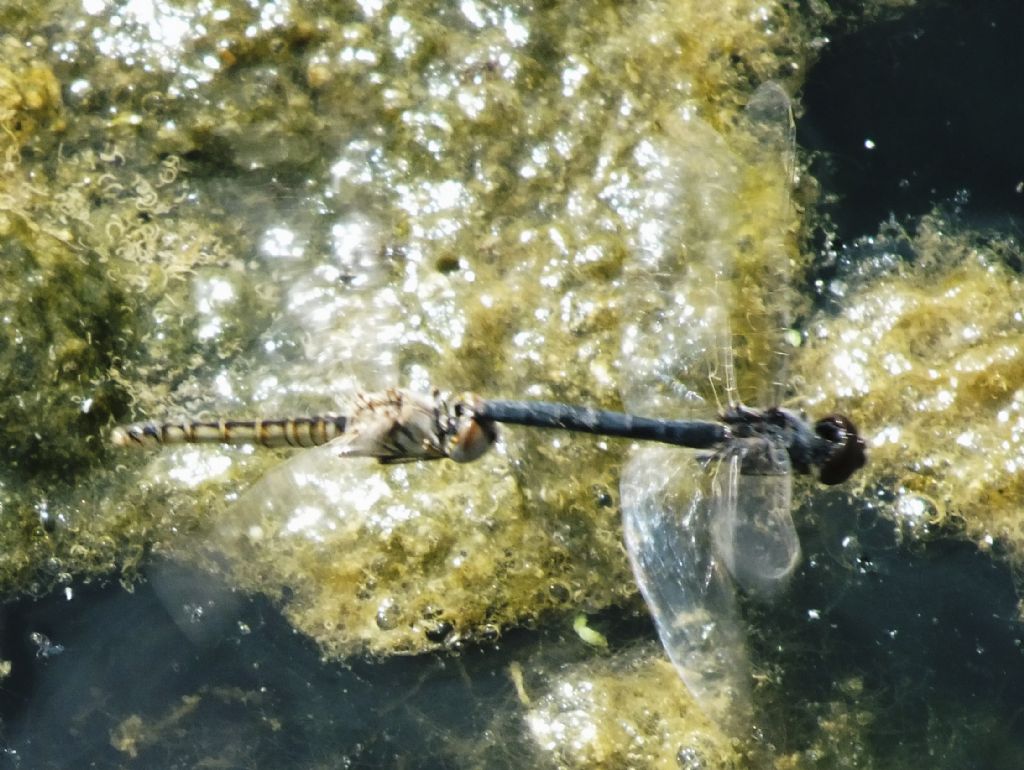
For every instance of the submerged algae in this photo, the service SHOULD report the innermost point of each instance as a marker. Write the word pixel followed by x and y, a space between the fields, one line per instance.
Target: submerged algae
pixel 89 238
pixel 443 266
pixel 632 711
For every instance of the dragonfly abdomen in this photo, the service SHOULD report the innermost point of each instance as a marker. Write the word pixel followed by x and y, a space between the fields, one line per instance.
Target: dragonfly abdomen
pixel 285 432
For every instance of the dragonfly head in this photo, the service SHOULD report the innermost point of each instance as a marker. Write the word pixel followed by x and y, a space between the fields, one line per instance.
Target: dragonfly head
pixel 845 450
pixel 469 435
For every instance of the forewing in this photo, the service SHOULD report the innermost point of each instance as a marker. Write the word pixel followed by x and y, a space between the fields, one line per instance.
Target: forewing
pixel 674 324
pixel 751 521
pixel 766 247
pixel 315 496
pixel 666 509
pixel 348 333
pixel 684 524
pixel 674 293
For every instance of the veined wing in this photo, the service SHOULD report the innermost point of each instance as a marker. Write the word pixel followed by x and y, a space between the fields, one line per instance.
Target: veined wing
pixel 761 279
pixel 674 290
pixel 689 523
pixel 348 333
pixel 667 504
pixel 752 527
pixel 682 238
pixel 365 556
pixel 337 331
pixel 754 533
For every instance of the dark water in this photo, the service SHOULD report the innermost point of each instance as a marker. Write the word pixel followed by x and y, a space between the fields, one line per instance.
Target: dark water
pixel 263 697
pixel 939 93
pixel 923 635
pixel 930 630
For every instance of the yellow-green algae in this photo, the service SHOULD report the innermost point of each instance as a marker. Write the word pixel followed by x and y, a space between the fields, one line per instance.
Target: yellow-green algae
pixel 202 711
pixel 190 206
pixel 436 554
pixel 86 248
pixel 530 300
pixel 630 712
pixel 927 354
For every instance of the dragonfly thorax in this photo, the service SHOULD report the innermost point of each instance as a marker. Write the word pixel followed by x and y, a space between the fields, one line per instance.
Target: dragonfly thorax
pixel 831 447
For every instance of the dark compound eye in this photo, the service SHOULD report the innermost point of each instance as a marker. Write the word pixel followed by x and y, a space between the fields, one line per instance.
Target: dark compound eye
pixel 472 435
pixel 848 453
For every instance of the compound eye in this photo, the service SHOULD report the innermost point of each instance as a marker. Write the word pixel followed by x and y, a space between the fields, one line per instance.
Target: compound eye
pixel 472 436
pixel 471 440
pixel 848 453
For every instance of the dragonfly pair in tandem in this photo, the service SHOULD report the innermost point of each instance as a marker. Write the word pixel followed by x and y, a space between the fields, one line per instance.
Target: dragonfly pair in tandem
pixel 400 426
pixel 696 525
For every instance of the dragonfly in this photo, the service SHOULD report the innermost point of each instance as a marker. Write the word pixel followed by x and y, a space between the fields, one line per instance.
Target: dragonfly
pixel 401 425
pixel 698 526
pixel 701 530
pixel 678 569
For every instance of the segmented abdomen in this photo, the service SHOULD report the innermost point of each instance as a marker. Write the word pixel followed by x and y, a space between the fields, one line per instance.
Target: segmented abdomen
pixel 295 432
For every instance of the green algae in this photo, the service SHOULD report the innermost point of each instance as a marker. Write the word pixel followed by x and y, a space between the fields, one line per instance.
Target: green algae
pixel 519 295
pixel 88 249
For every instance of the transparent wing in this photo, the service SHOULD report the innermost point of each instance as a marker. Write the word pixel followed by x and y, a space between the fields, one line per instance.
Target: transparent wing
pixel 344 336
pixel 689 524
pixel 339 330
pixel 667 504
pixel 675 287
pixel 356 551
pixel 765 252
pixel 316 497
pixel 752 526
pixel 675 291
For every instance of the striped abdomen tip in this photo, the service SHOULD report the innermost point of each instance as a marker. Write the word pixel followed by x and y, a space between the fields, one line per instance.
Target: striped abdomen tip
pixel 119 436
pixel 147 434
pixel 296 432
